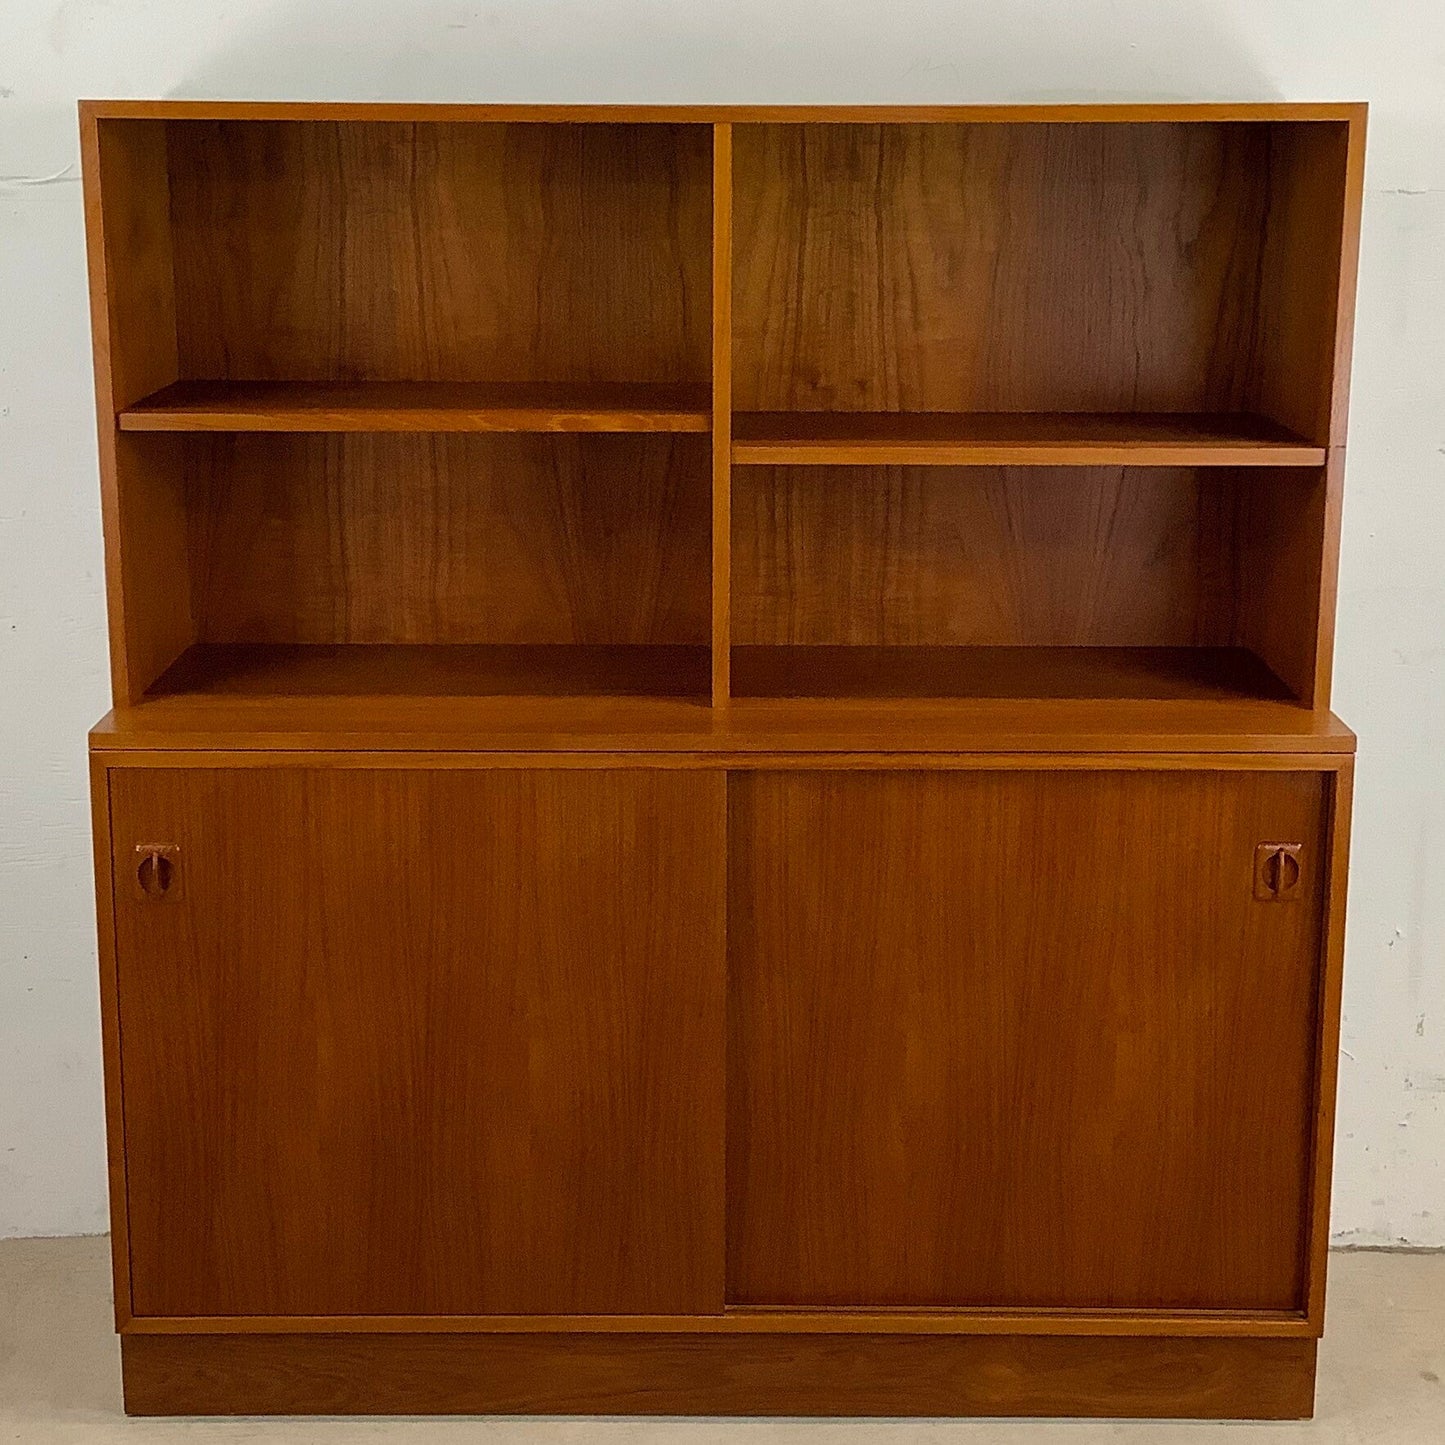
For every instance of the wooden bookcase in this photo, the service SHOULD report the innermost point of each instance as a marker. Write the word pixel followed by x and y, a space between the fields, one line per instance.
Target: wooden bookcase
pixel 721 795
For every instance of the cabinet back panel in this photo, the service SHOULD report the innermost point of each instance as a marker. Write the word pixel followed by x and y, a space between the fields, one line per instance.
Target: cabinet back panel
pixel 1020 1039
pixel 1101 556
pixel 1000 267
pixel 451 538
pixel 434 252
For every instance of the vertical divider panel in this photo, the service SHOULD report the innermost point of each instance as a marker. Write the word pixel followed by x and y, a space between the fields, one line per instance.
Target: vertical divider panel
pixel 722 402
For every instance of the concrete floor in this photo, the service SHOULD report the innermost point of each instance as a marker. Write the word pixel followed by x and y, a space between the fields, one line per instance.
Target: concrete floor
pixel 1380 1383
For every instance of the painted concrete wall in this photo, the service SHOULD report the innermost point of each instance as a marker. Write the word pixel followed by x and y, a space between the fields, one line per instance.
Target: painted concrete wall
pixel 1391 659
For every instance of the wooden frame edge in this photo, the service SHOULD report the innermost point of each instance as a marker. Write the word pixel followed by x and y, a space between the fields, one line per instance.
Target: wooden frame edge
pixel 100 827
pixel 1348 287
pixel 641 1374
pixel 722 411
pixel 1058 1323
pixel 1075 112
pixel 1040 760
pixel 1327 1058
pixel 105 415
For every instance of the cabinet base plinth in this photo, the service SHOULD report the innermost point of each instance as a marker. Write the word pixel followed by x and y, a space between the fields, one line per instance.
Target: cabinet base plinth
pixel 717 1374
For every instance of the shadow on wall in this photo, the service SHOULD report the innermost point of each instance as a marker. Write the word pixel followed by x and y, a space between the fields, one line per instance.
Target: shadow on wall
pixel 743 51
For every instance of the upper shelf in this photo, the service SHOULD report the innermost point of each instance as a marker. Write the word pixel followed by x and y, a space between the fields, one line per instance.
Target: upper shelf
pixel 873 438
pixel 418 406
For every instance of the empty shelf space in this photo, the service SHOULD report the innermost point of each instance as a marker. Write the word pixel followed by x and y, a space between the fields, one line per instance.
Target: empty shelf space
pixel 551 670
pixel 927 438
pixel 1224 674
pixel 419 406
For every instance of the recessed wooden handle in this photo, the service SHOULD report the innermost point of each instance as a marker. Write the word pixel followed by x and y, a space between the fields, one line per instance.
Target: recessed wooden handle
pixel 1277 871
pixel 155 869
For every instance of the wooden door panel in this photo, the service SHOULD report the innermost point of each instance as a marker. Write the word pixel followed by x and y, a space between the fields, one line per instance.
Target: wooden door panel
pixel 423 1041
pixel 1020 1039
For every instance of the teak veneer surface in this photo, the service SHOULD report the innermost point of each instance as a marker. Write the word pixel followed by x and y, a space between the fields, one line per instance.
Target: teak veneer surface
pixel 643 1374
pixel 1139 674
pixel 986 268
pixel 662 727
pixel 910 556
pixel 442 252
pixel 927 438
pixel 1016 1041
pixel 439 1041
pixel 710 705
pixel 447 539
pixel 419 406
pixel 641 671
pixel 1118 113
pixel 532 670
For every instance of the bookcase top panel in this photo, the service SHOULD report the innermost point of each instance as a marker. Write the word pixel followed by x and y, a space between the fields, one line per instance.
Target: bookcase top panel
pixel 1348 111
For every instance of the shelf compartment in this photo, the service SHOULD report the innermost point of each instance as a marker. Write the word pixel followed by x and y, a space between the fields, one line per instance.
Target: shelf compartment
pixel 443 253
pixel 418 406
pixel 1084 268
pixel 1138 674
pixel 1016 439
pixel 418 670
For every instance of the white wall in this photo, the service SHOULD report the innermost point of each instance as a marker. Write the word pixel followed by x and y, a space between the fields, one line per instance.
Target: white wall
pixel 1391 662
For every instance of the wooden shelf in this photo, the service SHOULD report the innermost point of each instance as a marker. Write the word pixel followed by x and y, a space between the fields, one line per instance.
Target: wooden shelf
pixel 417 406
pixel 1215 674
pixel 436 671
pixel 873 438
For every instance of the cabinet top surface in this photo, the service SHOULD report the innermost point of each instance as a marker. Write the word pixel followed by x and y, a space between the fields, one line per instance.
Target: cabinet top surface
pixel 709 114
pixel 756 726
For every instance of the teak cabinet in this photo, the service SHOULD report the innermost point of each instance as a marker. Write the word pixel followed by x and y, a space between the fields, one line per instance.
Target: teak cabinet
pixel 721 795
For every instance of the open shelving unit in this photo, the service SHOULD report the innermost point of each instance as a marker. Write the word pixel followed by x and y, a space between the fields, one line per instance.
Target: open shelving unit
pixel 733 412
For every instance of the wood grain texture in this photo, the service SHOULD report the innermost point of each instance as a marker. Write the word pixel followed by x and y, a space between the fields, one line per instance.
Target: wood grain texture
pixel 274 726
pixel 722 393
pixel 395 251
pixel 1126 113
pixel 376 670
pixel 1323 671
pixel 1286 603
pixel 662 1375
pixel 1033 674
pixel 1302 319
pixel 772 1320
pixel 916 556
pixel 132 297
pixel 133 328
pixel 802 857
pixel 1348 275
pixel 450 539
pixel 151 553
pixel 997 268
pixel 998 439
pixel 110 1040
pixel 418 406
pixel 1019 1038
pixel 437 1039
pixel 1331 1003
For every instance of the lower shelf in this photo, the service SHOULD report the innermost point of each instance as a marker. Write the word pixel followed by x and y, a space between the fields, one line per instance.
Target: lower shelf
pixel 1221 674
pixel 455 670
pixel 589 1374
pixel 641 699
